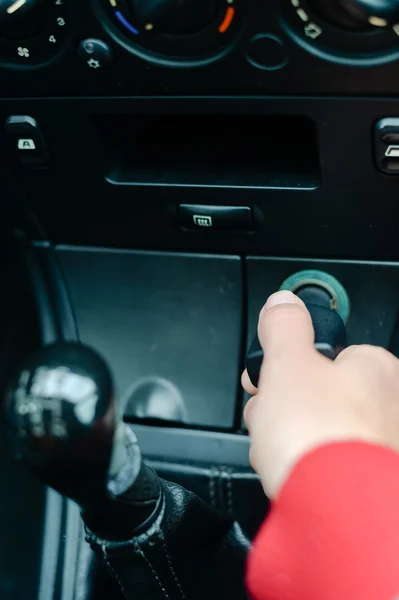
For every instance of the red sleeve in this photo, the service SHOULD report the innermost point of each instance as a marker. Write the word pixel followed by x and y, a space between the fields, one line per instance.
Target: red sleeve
pixel 333 532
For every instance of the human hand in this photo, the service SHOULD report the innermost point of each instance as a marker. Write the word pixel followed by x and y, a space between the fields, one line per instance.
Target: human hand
pixel 305 400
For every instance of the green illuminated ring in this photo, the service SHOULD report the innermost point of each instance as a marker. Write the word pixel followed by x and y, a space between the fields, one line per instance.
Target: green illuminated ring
pixel 339 298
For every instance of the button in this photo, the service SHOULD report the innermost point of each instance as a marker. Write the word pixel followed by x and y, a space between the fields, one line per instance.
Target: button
pixel 215 218
pixel 267 52
pixel 386 145
pixel 96 53
pixel 26 140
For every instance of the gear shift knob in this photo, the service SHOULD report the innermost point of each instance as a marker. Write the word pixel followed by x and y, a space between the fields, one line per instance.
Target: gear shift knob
pixel 61 416
pixel 62 422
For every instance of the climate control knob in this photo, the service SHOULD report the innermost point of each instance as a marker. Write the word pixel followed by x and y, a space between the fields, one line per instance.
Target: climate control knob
pixel 174 17
pixel 358 14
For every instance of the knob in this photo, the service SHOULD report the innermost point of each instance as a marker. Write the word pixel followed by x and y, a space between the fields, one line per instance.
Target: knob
pixel 358 14
pixel 174 17
pixel 61 418
pixel 62 422
pixel 21 19
pixel 330 334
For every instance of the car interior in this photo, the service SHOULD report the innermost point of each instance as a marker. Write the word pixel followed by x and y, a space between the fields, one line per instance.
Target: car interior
pixel 165 166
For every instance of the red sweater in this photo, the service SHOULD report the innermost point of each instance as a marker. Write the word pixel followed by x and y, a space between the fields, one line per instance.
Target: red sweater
pixel 333 532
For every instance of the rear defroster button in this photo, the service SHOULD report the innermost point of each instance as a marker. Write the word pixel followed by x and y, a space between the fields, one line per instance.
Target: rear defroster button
pixel 202 217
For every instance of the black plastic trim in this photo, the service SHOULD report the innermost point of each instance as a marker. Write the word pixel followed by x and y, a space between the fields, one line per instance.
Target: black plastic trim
pixel 191 446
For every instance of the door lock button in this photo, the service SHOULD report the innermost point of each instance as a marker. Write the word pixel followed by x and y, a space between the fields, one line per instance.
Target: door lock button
pixel 26 140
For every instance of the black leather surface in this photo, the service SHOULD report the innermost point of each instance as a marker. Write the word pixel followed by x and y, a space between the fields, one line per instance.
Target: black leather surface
pixel 230 495
pixel 235 493
pixel 120 515
pixel 191 551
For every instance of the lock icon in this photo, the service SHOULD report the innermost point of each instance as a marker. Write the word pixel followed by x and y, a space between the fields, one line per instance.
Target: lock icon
pixel 26 144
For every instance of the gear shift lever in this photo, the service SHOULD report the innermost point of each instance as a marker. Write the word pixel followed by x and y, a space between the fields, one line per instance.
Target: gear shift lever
pixel 156 539
pixel 63 423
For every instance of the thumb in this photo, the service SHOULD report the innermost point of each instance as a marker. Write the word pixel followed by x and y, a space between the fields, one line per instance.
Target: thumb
pixel 285 328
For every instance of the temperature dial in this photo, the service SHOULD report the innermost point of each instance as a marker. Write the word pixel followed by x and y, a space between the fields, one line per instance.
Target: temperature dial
pixel 175 17
pixel 184 33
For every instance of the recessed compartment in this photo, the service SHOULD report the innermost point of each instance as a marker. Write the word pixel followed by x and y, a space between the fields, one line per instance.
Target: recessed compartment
pixel 169 326
pixel 210 150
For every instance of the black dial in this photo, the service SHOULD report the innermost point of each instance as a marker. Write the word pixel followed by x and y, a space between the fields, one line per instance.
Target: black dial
pixel 174 17
pixel 21 18
pixel 184 33
pixel 358 14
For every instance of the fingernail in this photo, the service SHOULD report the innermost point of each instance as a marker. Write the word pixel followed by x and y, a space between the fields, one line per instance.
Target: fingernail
pixel 284 297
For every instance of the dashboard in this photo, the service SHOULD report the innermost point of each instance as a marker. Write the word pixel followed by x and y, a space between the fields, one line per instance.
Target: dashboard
pixel 243 101
pixel 224 47
pixel 165 165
